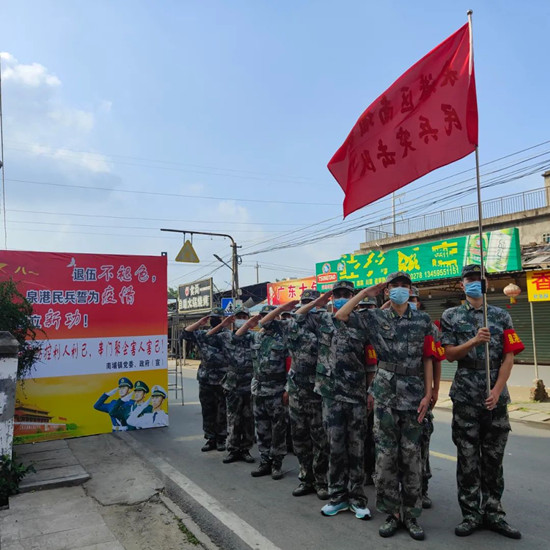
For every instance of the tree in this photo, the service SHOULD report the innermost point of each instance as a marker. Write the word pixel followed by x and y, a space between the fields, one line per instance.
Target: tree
pixel 15 317
pixel 172 293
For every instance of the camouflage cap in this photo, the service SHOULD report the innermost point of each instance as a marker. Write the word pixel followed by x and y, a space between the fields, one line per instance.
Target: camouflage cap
pixel 310 294
pixel 415 292
pixel 398 275
pixel 368 302
pixel 346 285
pixel 241 309
pixel 470 269
pixel 267 309
pixel 141 386
pixel 216 312
pixel 125 382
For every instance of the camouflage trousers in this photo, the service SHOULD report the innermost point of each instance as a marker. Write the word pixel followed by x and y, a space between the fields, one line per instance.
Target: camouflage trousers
pixel 345 424
pixel 427 431
pixel 270 418
pixel 397 436
pixel 240 422
pixel 480 437
pixel 214 418
pixel 370 460
pixel 309 438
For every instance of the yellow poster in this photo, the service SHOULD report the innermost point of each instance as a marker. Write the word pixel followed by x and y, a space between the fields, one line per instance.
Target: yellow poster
pixel 538 286
pixel 71 406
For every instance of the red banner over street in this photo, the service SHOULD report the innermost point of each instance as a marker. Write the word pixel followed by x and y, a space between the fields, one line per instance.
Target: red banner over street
pixel 425 120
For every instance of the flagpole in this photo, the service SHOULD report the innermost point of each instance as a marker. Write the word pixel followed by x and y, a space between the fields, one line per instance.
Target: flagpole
pixel 480 228
pixel 2 162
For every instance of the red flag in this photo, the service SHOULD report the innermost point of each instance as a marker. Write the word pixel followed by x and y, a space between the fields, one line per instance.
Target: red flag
pixel 426 119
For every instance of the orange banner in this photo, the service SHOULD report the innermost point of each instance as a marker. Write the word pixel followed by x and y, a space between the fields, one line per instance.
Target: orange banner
pixel 284 291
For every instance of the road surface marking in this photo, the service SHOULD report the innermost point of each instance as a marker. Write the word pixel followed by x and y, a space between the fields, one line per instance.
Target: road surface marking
pixel 442 455
pixel 232 521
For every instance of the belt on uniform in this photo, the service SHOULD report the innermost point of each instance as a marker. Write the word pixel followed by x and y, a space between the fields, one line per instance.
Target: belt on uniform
pixel 279 377
pixel 398 369
pixel 477 364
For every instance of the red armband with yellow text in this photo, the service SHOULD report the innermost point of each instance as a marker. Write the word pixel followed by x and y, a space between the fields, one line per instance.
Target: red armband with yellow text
pixel 370 355
pixel 512 342
pixel 430 348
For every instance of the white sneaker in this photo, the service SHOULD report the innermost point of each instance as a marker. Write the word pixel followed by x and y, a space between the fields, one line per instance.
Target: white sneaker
pixel 360 513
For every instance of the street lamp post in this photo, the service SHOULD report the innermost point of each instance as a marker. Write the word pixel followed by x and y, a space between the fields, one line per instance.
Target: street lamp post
pixel 234 259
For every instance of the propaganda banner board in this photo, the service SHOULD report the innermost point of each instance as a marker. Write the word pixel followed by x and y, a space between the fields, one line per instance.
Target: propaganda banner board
pixel 441 259
pixel 284 291
pixel 195 297
pixel 102 328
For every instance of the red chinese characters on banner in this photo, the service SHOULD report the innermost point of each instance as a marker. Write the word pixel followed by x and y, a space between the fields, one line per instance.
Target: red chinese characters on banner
pixel 285 291
pixel 90 295
pixel 425 120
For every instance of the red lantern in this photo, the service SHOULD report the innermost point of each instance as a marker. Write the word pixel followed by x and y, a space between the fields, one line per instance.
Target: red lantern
pixel 512 290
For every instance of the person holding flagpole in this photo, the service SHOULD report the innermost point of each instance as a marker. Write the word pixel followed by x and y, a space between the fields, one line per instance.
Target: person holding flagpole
pixel 480 425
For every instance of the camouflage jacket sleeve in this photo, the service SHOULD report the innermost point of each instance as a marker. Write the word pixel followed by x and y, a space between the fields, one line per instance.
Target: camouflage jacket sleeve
pixel 188 336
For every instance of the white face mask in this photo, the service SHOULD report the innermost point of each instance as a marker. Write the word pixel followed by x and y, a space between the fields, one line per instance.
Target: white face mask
pixel 239 323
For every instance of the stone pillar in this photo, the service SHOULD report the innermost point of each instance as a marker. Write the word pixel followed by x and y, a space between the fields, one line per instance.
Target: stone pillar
pixel 8 380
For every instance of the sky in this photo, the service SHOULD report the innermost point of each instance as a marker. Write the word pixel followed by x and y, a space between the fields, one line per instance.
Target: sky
pixel 124 117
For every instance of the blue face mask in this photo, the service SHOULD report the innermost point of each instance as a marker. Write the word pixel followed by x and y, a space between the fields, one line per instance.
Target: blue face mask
pixel 399 295
pixel 313 310
pixel 412 305
pixel 340 302
pixel 473 290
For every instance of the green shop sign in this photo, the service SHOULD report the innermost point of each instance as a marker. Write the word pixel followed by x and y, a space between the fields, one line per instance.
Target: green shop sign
pixel 426 261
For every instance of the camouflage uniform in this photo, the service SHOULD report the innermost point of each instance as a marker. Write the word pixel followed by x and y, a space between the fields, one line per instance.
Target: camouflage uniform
pixel 309 438
pixel 236 383
pixel 211 371
pixel 341 381
pixel 268 385
pixel 480 435
pixel 397 388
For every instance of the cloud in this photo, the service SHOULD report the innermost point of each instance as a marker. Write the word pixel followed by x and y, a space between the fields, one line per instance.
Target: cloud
pixel 33 75
pixel 41 123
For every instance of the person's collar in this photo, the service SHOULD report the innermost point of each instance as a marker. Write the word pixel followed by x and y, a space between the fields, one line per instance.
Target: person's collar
pixel 407 313
pixel 469 306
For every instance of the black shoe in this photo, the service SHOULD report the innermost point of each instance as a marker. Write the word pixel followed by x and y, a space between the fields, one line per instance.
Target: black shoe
pixel 247 457
pixel 220 445
pixel 231 457
pixel 502 527
pixel 303 489
pixel 414 528
pixel 426 502
pixel 389 527
pixel 210 445
pixel 276 470
pixel 466 528
pixel 322 493
pixel 264 469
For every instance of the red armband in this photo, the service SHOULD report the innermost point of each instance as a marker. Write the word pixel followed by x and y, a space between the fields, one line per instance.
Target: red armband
pixel 437 323
pixel 288 363
pixel 370 355
pixel 512 342
pixel 430 348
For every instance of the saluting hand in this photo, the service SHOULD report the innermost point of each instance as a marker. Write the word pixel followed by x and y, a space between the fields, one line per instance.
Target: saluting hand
pixel 324 299
pixel 289 306
pixel 227 320
pixel 203 321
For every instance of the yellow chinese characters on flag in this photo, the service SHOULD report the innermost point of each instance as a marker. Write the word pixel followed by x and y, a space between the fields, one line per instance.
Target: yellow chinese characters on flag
pixel 285 291
pixel 538 286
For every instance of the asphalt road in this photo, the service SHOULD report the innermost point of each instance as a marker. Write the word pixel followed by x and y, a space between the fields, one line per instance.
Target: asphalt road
pixel 231 506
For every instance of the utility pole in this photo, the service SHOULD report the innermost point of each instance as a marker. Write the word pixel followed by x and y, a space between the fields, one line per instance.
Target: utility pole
pixel 257 273
pixel 234 260
pixel 393 213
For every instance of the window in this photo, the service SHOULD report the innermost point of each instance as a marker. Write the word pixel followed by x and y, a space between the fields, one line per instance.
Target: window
pixel 546 238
